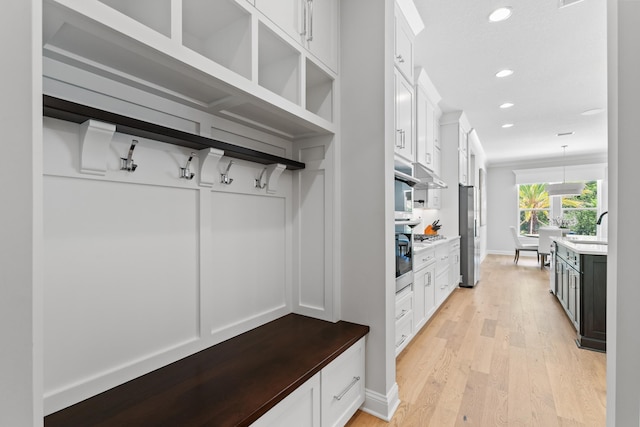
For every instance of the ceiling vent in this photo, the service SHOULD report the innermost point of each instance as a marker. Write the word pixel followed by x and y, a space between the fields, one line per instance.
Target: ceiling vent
pixel 565 3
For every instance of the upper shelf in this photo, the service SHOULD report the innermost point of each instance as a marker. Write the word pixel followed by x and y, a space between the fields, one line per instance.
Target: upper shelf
pixel 78 113
pixel 214 56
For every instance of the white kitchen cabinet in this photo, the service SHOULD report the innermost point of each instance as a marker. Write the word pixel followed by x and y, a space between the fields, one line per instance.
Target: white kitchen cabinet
pixel 403 45
pixel 404 118
pixel 434 198
pixel 442 273
pixel 454 266
pixel 342 387
pixel 424 278
pixel 427 123
pixel 311 23
pixel 404 318
pixel 463 156
pixel 300 409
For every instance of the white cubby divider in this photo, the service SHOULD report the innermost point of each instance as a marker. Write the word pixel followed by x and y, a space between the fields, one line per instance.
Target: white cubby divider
pixel 319 91
pixel 278 65
pixel 209 174
pixel 155 14
pixel 95 137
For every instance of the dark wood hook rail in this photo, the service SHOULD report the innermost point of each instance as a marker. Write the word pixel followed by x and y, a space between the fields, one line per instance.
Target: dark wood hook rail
pixel 70 111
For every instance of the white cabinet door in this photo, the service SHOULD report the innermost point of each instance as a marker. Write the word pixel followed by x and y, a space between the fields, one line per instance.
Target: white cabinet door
pixel 454 268
pixel 322 31
pixel 286 14
pixel 424 129
pixel 403 48
pixel 430 291
pixel 300 409
pixel 442 286
pixel 463 157
pixel 404 118
pixel 419 313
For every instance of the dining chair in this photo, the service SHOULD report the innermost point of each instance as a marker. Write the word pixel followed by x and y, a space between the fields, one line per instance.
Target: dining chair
pixel 544 242
pixel 519 246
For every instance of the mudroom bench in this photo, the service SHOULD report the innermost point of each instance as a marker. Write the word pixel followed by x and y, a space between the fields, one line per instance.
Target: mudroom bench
pixel 295 370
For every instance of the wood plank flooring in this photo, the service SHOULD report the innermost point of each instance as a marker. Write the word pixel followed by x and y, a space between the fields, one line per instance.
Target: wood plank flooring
pixel 500 354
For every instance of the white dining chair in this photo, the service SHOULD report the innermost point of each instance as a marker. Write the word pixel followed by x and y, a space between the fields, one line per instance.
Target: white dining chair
pixel 544 242
pixel 520 246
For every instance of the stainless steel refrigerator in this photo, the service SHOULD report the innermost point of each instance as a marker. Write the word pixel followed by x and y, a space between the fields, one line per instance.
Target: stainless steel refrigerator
pixel 469 237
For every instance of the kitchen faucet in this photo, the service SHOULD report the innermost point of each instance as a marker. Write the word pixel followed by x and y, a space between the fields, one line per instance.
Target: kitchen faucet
pixel 600 217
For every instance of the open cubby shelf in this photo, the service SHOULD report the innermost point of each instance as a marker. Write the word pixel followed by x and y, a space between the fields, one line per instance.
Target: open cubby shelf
pixel 70 111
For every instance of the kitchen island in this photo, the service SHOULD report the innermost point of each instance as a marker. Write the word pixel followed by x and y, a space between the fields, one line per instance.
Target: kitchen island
pixel 580 278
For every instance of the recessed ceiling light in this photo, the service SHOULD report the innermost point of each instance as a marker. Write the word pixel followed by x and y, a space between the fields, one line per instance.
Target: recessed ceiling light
pixel 565 133
pixel 507 125
pixel 592 112
pixel 506 105
pixel 500 14
pixel 504 73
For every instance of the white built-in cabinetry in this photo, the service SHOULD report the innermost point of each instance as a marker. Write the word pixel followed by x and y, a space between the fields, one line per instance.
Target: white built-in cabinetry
pixel 311 23
pixel 463 156
pixel 404 111
pixel 436 273
pixel 328 399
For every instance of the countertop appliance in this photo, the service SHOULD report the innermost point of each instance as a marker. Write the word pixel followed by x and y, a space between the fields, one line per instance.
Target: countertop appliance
pixel 469 237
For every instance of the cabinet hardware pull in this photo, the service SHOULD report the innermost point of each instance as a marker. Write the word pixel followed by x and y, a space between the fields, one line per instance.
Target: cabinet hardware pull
pixel 304 19
pixel 310 3
pixel 349 387
pixel 401 315
pixel 404 338
pixel 400 58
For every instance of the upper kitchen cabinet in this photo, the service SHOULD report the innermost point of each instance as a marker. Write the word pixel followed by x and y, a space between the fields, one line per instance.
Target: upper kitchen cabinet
pixel 222 57
pixel 427 123
pixel 404 118
pixel 403 47
pixel 456 128
pixel 311 23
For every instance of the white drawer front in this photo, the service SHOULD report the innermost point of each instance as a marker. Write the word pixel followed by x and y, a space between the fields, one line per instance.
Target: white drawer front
pixel 343 386
pixel 404 306
pixel 423 258
pixel 404 331
pixel 300 409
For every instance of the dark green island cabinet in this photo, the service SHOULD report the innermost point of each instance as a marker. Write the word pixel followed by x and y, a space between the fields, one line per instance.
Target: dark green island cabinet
pixel 581 287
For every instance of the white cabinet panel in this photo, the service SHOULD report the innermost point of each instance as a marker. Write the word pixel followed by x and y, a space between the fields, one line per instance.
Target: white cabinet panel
pixel 286 14
pixel 250 274
pixel 403 46
pixel 343 386
pixel 300 409
pixel 120 275
pixel 322 31
pixel 404 118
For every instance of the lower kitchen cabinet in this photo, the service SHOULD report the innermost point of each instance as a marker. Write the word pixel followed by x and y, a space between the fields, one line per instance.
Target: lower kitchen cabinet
pixel 454 264
pixel 404 318
pixel 328 399
pixel 581 288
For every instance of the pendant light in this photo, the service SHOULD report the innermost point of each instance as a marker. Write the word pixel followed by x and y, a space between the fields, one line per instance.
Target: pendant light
pixel 565 188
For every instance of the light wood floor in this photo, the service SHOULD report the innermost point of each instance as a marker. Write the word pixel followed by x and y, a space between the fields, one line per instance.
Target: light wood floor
pixel 500 354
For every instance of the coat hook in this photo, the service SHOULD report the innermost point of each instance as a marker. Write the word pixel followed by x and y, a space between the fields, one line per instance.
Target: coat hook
pixel 127 164
pixel 224 177
pixel 259 183
pixel 185 172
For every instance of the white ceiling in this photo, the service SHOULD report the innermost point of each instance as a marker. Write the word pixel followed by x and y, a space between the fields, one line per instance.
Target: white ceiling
pixel 559 62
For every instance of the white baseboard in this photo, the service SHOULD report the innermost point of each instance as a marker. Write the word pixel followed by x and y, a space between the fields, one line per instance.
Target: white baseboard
pixel 381 406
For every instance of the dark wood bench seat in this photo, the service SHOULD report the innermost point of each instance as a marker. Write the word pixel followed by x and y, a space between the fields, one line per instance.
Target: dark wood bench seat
pixel 230 384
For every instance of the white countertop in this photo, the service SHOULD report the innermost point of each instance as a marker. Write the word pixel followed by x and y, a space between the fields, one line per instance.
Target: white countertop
pixel 423 246
pixel 587 245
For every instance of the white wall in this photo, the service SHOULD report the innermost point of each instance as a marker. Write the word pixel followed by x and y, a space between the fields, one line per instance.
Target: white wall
pixel 20 214
pixel 367 133
pixel 623 293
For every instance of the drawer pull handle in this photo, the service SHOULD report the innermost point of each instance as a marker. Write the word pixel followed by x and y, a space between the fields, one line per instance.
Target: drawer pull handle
pixel 404 338
pixel 401 315
pixel 346 390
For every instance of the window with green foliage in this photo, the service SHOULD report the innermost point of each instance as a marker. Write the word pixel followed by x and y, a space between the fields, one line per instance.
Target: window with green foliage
pixel 582 210
pixel 533 207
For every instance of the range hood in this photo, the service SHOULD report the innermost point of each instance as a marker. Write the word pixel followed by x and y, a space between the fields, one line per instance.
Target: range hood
pixel 411 181
pixel 428 180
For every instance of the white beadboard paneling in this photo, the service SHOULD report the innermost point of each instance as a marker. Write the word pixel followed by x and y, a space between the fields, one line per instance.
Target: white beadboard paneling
pixel 121 276
pixel 248 258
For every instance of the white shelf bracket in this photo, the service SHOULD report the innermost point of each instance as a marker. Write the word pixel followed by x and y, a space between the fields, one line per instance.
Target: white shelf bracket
pixel 273 176
pixel 209 158
pixel 95 137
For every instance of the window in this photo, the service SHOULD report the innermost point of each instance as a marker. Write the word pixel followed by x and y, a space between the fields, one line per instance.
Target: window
pixel 536 209
pixel 533 207
pixel 582 211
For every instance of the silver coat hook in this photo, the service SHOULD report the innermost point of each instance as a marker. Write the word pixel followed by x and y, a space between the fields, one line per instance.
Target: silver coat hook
pixel 259 183
pixel 224 178
pixel 185 172
pixel 127 164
